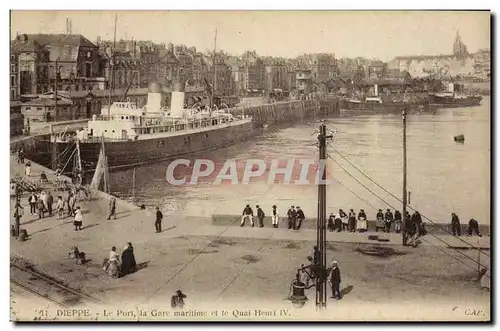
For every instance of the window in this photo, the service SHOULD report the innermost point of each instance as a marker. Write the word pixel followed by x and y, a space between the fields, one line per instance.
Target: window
pixel 12 80
pixel 12 94
pixel 39 108
pixel 12 68
pixel 28 108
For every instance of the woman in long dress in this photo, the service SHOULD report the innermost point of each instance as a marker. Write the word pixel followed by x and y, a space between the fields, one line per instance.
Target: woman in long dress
pixel 128 260
pixel 27 169
pixel 362 224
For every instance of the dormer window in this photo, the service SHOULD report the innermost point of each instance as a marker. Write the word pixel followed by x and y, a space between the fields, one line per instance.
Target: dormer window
pixel 89 55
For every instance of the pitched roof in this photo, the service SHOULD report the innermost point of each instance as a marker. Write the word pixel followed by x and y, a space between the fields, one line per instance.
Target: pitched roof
pixel 28 46
pixel 47 102
pixel 61 39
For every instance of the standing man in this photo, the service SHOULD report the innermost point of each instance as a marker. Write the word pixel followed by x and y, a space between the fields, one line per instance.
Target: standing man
pixel 18 213
pixel 299 218
pixel 247 213
pixel 388 220
pixel 335 280
pixel 50 202
pixel 275 217
pixel 260 216
pixel 159 218
pixel 112 207
pixel 455 225
pixel 352 221
pixel 292 215
pixel 397 221
pixel 41 208
pixel 32 201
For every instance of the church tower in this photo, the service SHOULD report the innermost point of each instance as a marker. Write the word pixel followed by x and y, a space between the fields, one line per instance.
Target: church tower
pixel 459 48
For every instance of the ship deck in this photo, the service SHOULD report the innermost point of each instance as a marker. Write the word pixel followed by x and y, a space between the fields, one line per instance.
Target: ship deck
pixel 159 135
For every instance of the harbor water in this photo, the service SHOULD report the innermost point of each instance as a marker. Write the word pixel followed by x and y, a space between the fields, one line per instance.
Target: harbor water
pixel 443 176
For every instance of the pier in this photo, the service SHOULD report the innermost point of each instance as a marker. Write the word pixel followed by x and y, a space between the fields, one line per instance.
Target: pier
pixel 191 248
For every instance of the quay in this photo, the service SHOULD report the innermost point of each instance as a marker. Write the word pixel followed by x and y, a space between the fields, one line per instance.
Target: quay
pixel 229 266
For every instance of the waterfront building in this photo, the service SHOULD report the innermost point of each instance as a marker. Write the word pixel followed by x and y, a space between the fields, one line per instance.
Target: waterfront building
pixel 459 63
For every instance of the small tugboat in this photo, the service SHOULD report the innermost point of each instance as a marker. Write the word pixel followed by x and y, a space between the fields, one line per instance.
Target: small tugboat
pixel 451 98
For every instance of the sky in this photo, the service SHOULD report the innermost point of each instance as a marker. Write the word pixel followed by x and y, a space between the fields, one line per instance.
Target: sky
pixel 370 34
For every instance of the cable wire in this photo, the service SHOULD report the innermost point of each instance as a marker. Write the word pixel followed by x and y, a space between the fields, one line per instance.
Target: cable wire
pixel 357 180
pixel 398 199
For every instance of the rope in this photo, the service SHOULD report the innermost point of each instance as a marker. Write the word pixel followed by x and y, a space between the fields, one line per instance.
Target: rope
pixel 398 199
pixel 69 159
pixel 357 180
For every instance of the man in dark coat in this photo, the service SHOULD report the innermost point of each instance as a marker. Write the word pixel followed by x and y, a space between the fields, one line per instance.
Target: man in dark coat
pixel 398 219
pixel 455 225
pixel 128 260
pixel 159 218
pixel 32 200
pixel 41 208
pixel 299 218
pixel 331 223
pixel 50 202
pixel 260 216
pixel 335 280
pixel 292 215
pixel 352 221
pixel 247 213
pixel 473 226
pixel 389 218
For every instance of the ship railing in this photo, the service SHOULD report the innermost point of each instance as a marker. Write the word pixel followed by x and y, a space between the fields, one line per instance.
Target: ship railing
pixel 186 126
pixel 95 139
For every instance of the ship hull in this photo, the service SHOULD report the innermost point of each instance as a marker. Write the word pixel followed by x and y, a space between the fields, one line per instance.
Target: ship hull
pixel 444 102
pixel 127 154
pixel 382 108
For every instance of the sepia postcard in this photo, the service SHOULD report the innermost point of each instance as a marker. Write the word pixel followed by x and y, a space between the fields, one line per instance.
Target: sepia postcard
pixel 250 166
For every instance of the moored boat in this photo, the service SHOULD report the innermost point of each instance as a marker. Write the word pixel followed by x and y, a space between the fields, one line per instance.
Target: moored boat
pixel 451 98
pixel 133 136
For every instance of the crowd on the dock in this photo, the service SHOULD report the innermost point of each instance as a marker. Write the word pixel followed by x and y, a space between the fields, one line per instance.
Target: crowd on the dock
pixel 386 222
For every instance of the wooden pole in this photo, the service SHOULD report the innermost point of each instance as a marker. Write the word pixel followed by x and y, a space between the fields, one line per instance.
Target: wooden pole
pixel 403 225
pixel 106 187
pixel 478 260
pixel 321 281
pixel 133 185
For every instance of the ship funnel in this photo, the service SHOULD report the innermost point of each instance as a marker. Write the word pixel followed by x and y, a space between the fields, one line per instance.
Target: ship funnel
pixel 154 97
pixel 177 102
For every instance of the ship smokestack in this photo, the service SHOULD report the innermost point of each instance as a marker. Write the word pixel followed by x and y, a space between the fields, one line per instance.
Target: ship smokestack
pixel 154 97
pixel 177 102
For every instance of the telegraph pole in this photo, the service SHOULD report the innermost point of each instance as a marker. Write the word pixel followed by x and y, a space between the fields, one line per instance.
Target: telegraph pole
pixel 405 194
pixel 321 280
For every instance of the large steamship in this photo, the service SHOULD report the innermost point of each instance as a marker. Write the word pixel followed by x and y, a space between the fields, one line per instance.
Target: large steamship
pixel 132 136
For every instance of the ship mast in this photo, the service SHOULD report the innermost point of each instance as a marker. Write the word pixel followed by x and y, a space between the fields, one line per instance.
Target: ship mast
pixel 112 78
pixel 215 72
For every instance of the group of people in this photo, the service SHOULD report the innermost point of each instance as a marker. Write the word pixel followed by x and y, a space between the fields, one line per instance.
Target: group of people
pixel 117 267
pixel 295 217
pixel 456 227
pixel 313 270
